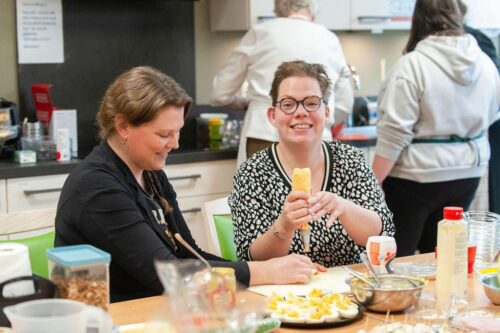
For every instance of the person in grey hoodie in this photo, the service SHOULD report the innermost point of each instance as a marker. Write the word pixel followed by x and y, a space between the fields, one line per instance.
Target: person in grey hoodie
pixel 435 106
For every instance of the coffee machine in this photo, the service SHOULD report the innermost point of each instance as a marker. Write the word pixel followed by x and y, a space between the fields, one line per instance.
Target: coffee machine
pixel 10 129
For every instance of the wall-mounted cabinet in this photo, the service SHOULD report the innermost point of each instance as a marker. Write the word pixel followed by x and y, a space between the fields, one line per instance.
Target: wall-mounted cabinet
pixel 237 15
pixel 227 15
pixel 484 14
pixel 381 14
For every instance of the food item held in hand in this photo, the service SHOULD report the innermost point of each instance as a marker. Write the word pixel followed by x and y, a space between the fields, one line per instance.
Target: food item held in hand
pixel 314 308
pixel 301 181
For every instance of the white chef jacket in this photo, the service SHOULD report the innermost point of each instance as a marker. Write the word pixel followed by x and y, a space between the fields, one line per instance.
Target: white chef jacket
pixel 261 50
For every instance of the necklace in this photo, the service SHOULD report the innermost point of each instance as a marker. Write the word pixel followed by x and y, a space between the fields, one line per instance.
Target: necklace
pixel 157 212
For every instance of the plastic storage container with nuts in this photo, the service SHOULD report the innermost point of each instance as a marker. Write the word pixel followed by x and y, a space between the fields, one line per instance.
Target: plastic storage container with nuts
pixel 81 273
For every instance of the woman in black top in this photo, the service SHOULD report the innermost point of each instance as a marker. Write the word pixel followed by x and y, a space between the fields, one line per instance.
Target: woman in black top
pixel 119 199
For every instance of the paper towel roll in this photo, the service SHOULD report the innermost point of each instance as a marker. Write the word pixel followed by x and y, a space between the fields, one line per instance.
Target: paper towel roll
pixel 15 262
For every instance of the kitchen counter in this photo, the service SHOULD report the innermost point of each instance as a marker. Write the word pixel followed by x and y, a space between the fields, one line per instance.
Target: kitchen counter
pixel 361 143
pixel 11 169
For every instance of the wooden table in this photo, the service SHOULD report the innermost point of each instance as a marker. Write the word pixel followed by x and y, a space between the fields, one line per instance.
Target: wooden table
pixel 142 310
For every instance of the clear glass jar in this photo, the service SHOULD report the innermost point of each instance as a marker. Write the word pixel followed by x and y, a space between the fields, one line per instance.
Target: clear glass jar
pixel 81 273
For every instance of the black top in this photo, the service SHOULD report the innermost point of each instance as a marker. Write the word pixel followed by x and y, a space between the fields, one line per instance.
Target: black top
pixel 484 42
pixel 103 205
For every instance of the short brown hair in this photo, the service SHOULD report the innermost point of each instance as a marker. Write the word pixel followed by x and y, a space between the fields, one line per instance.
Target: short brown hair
pixel 434 17
pixel 301 68
pixel 138 94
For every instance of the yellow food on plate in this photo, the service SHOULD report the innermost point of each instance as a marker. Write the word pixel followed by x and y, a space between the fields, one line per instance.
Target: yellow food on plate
pixel 315 307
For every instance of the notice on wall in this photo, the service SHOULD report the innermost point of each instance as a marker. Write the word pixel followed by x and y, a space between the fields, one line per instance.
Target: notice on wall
pixel 39 31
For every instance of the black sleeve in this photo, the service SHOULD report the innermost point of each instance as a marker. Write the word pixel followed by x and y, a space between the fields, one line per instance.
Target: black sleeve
pixel 485 44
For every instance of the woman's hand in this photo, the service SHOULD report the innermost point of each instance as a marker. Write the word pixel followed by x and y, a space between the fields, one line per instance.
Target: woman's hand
pixel 293 268
pixel 295 212
pixel 327 203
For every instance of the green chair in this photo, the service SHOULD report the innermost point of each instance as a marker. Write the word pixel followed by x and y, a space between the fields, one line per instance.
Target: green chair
pixel 219 227
pixel 37 247
pixel 224 229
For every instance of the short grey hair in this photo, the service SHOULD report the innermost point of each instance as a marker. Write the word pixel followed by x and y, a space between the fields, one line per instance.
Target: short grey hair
pixel 283 8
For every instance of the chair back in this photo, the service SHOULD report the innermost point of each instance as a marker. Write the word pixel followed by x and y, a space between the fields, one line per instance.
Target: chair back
pixel 217 218
pixel 14 225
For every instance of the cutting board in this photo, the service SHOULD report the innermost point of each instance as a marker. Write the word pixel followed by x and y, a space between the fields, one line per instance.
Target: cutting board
pixel 333 280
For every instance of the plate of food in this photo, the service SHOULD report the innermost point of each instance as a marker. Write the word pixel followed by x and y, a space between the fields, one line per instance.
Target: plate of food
pixel 314 310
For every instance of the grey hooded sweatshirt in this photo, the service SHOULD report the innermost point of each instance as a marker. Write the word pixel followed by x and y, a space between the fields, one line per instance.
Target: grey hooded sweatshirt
pixel 447 89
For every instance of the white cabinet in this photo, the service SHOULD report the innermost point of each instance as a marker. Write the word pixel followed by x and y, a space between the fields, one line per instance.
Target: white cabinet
pixel 3 196
pixel 34 192
pixel 334 14
pixel 381 14
pixel 484 14
pixel 227 15
pixel 197 183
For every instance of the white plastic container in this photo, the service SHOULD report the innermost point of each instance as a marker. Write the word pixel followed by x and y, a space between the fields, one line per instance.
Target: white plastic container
pixel 81 273
pixel 57 316
pixel 63 145
pixel 451 262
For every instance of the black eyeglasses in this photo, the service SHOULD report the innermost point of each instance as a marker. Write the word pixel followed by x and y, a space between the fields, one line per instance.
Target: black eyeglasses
pixel 289 105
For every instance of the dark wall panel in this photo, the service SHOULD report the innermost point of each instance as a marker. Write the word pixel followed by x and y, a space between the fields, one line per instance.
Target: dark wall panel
pixel 103 38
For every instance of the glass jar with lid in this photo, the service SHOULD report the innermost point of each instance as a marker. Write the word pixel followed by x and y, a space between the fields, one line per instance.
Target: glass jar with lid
pixel 81 273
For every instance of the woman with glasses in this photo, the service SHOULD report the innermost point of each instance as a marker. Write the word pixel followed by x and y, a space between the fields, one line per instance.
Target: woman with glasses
pixel 345 206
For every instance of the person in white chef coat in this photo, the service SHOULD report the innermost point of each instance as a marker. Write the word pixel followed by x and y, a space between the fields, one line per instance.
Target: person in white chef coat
pixel 293 35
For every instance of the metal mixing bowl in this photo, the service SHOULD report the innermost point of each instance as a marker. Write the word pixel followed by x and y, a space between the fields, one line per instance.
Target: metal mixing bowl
pixel 398 292
pixel 491 287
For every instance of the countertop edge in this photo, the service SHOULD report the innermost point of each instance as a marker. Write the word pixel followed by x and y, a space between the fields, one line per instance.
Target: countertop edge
pixel 10 169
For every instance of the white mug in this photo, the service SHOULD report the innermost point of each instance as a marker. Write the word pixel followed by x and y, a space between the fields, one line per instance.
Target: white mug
pixel 380 250
pixel 57 316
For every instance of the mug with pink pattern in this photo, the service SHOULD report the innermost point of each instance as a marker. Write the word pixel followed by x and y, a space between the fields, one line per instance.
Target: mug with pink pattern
pixel 381 250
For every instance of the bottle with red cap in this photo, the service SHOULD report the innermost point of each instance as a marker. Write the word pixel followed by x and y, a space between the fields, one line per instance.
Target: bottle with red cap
pixel 451 262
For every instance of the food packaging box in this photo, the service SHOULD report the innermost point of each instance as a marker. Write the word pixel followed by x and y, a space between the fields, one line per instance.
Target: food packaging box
pixel 54 118
pixel 25 156
pixel 81 273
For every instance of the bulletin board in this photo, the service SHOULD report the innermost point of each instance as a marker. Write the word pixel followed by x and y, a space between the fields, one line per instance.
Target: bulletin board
pixel 103 38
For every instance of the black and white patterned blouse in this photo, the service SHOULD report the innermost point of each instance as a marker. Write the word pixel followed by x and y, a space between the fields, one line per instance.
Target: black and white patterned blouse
pixel 260 187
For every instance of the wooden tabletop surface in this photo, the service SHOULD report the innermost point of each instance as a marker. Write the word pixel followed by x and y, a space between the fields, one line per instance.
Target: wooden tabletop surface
pixel 142 310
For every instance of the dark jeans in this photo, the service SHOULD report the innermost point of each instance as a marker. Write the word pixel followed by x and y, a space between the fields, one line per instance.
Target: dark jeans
pixel 418 207
pixel 494 168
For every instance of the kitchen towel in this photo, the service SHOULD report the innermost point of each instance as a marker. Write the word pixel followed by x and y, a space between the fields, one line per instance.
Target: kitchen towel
pixel 15 262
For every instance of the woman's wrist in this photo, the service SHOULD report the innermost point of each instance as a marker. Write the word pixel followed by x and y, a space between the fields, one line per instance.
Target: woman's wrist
pixel 281 233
